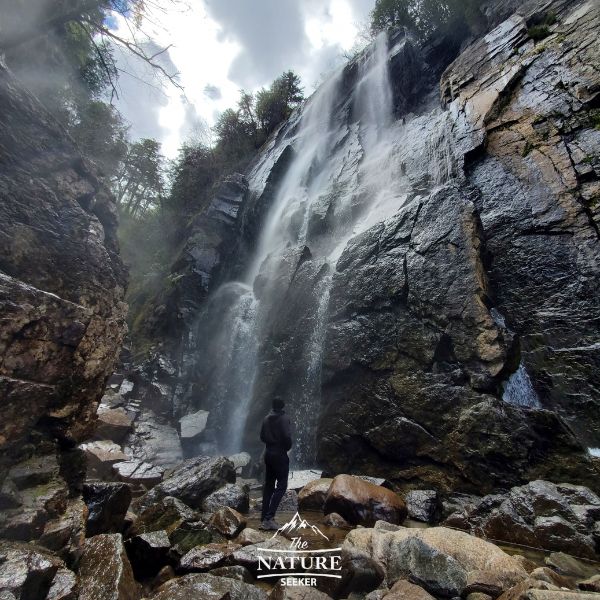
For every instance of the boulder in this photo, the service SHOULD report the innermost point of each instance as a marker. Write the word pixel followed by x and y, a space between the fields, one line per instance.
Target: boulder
pixel 312 495
pixel 207 557
pixel 105 571
pixel 193 480
pixel 231 494
pixel 364 503
pixel 248 555
pixel 188 535
pixel 138 473
pixel 360 574
pixel 168 514
pixel 250 536
pixel 590 585
pixel 227 522
pixel 27 571
pixel 423 505
pixel 113 424
pixel 233 572
pixel 539 514
pixel 569 565
pixel 240 461
pixel 298 479
pixel 404 590
pixel 283 592
pixel 64 586
pixel 65 534
pixel 148 553
pixel 107 504
pixel 208 587
pixel 442 561
pixel 335 520
pixel 101 455
pixel 191 428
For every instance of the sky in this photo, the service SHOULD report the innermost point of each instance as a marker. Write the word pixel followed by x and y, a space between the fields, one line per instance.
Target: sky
pixel 221 46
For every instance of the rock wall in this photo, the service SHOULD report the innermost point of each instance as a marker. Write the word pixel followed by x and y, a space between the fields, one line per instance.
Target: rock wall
pixel 61 282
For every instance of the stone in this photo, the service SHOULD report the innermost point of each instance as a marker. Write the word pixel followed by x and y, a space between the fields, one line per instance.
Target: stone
pixel 191 428
pixel 207 557
pixel 137 472
pixel 335 520
pixel 107 504
pixel 233 572
pixel 231 494
pixel 569 565
pixel 423 505
pixel 289 502
pixel 64 586
pixel 188 535
pixel 105 571
pixel 165 574
pixel 312 495
pixel 443 561
pixel 65 534
pixel 360 575
pixel 208 587
pixel 248 555
pixel 361 502
pixel 479 596
pixel 101 456
pixel 27 571
pixel 148 553
pixel 540 514
pixel 240 461
pixel 193 480
pixel 282 592
pixel 113 424
pixel 250 536
pixel 227 522
pixel 168 514
pixel 39 470
pixel 298 479
pixel 590 585
pixel 404 590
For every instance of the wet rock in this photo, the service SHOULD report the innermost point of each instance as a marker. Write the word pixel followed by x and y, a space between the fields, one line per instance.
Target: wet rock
pixel 404 590
pixel 423 505
pixel 227 522
pixel 65 534
pixel 39 470
pixel 360 575
pixel 335 520
pixel 165 574
pixel 64 586
pixel 191 428
pixel 168 514
pixel 113 424
pixel 188 535
pixel 148 553
pixel 105 571
pixel 107 505
pixel 540 514
pixel 234 572
pixel 312 495
pixel 569 565
pixel 193 480
pixel 138 473
pixel 250 536
pixel 550 576
pixel 289 502
pixel 232 495
pixel 361 502
pixel 205 558
pixel 282 592
pixel 101 455
pixel 298 479
pixel 441 560
pixel 27 571
pixel 240 461
pixel 248 555
pixel 208 587
pixel 590 585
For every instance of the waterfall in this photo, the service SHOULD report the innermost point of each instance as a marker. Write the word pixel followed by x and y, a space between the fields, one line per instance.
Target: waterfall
pixel 344 176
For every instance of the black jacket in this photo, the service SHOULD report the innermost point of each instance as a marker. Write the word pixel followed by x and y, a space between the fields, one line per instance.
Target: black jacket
pixel 275 431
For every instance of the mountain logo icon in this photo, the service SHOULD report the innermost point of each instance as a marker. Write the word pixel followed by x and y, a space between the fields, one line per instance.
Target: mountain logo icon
pixel 297 523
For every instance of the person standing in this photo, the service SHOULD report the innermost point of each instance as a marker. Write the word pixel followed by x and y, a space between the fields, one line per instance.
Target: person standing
pixel 275 433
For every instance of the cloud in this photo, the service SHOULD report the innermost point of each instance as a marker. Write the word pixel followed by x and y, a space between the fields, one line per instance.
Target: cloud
pixel 212 92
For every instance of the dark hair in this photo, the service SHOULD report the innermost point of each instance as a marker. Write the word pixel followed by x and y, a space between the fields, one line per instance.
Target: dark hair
pixel 278 403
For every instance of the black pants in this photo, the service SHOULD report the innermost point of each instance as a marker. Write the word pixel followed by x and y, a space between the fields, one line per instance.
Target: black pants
pixel 277 470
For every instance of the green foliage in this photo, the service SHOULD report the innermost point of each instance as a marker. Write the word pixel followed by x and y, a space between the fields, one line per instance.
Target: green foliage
pixel 456 18
pixel 541 30
pixel 275 105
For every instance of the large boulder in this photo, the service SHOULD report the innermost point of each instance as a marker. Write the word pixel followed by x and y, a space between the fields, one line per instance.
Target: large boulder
pixel 193 480
pixel 228 522
pixel 207 557
pixel 423 505
pixel 443 561
pixel 107 505
pixel 168 514
pixel 113 424
pixel 364 503
pixel 208 587
pixel 105 571
pixel 148 553
pixel 62 282
pixel 231 495
pixel 26 571
pixel 312 495
pixel 540 514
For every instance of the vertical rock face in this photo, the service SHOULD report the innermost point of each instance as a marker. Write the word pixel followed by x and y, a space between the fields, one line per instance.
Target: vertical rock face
pixel 61 279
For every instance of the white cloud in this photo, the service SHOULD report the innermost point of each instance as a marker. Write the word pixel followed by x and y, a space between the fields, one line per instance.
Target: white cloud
pixel 224 45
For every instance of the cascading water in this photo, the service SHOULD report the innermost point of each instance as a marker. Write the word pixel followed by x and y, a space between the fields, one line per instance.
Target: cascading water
pixel 348 172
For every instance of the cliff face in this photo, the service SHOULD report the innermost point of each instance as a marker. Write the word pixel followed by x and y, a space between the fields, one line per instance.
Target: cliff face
pixel 61 282
pixel 413 263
